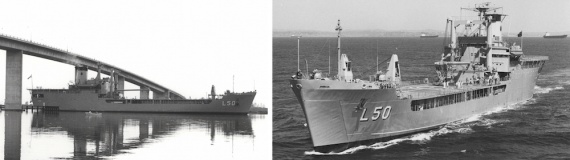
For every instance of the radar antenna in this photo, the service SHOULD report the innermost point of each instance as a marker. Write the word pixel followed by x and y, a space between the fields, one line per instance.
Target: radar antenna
pixel 482 9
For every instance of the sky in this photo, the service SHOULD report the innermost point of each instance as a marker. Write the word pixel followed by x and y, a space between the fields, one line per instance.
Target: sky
pixel 322 15
pixel 186 46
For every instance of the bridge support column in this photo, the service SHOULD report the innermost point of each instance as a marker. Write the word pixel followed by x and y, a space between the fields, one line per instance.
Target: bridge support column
pixel 145 91
pixel 13 133
pixel 79 145
pixel 143 129
pixel 156 128
pixel 13 80
pixel 173 96
pixel 156 95
pixel 160 95
pixel 121 84
pixel 80 75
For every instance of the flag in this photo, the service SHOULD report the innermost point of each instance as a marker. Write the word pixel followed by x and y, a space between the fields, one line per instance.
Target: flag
pixel 520 34
pixel 30 76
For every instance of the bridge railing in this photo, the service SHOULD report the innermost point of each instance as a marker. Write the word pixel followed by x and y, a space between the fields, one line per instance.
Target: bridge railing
pixel 44 45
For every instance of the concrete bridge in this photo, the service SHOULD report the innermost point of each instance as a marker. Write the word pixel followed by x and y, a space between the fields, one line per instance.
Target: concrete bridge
pixel 16 47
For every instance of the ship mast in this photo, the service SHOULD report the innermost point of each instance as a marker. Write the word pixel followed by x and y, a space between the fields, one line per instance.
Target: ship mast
pixel 329 60
pixel 377 56
pixel 339 29
pixel 482 9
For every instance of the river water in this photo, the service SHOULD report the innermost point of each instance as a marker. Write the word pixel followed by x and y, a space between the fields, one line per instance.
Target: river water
pixel 80 135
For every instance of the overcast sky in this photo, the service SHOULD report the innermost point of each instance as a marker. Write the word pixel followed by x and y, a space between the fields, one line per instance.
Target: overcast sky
pixel 187 46
pixel 322 15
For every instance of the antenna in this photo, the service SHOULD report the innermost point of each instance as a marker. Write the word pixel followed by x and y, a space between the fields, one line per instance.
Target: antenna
pixel 339 29
pixel 509 32
pixel 329 59
pixel 445 34
pixel 307 66
pixel 298 48
pixel 233 83
pixel 461 13
pixel 376 55
pixel 31 76
pixel 522 38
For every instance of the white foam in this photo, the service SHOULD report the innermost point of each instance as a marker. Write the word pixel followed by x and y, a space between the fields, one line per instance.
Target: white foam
pixel 541 90
pixel 415 138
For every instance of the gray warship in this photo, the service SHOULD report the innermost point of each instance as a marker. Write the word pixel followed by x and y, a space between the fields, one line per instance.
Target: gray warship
pixel 547 35
pixel 423 35
pixel 478 72
pixel 101 95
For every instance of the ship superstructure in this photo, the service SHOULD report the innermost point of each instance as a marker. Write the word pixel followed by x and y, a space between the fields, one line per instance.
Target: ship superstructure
pixel 478 72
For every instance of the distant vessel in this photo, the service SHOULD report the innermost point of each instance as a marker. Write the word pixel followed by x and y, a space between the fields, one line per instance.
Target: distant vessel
pixel 547 35
pixel 428 36
pixel 101 95
pixel 477 72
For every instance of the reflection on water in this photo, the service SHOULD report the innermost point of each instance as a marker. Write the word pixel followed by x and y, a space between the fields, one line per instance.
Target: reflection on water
pixel 41 135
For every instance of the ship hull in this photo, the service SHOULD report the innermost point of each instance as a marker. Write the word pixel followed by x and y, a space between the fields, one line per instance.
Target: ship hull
pixel 434 36
pixel 338 118
pixel 556 36
pixel 89 101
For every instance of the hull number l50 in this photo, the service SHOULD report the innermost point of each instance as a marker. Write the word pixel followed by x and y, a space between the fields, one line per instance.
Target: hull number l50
pixel 379 111
pixel 230 103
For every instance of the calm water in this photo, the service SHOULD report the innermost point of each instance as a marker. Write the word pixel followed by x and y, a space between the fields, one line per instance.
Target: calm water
pixel 80 135
pixel 536 129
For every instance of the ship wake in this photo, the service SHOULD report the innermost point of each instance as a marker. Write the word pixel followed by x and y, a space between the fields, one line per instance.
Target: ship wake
pixel 552 81
pixel 543 90
pixel 419 138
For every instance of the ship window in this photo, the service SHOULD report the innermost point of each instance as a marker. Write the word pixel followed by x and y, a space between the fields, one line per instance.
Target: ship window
pixel 476 94
pixel 38 95
pixel 496 17
pixel 457 98
pixel 348 66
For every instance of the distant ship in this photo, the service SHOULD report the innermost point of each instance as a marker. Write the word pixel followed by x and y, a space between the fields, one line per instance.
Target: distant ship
pixel 477 72
pixel 428 36
pixel 102 95
pixel 547 35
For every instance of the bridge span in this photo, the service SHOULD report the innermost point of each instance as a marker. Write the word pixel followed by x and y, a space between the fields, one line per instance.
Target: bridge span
pixel 16 47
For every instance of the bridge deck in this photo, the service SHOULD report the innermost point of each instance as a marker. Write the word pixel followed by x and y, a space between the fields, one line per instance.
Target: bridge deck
pixel 59 55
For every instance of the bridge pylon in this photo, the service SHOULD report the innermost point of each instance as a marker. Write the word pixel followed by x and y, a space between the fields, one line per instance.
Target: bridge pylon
pixel 14 63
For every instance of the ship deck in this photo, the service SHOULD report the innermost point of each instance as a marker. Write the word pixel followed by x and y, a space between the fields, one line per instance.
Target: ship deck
pixel 534 58
pixel 422 91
